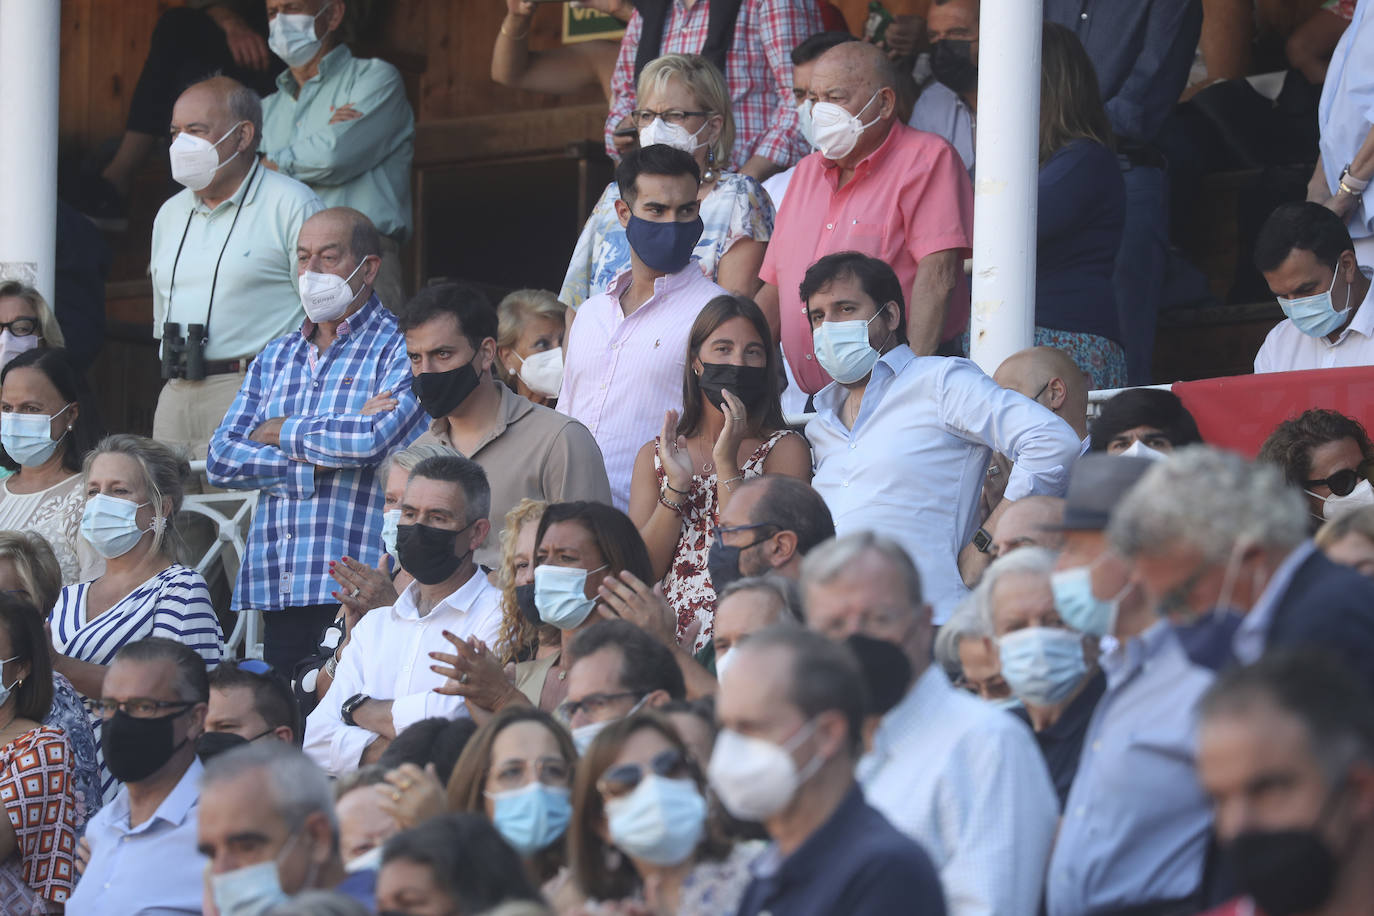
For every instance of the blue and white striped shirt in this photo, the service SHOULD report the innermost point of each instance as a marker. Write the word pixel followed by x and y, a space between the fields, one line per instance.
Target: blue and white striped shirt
pixel 321 498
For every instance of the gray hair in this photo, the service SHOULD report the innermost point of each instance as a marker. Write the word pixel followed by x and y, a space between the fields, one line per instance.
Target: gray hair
pixel 407 458
pixel 319 903
pixel 833 558
pixel 164 471
pixel 48 328
pixel 469 477
pixel 1210 500
pixel 782 589
pixel 965 623
pixel 298 787
pixel 245 105
pixel 1026 560
pixel 374 774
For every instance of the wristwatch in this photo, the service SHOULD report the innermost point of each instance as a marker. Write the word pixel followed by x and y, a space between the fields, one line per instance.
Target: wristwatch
pixel 982 540
pixel 350 706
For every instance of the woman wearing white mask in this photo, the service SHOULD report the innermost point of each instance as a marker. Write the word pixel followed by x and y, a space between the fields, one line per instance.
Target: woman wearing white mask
pixel 134 487
pixel 529 344
pixel 44 435
pixel 1328 456
pixel 682 101
pixel 27 321
pixel 640 830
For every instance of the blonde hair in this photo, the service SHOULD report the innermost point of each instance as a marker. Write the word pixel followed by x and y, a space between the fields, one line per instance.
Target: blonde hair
pixel 517 308
pixel 706 84
pixel 1357 521
pixel 35 564
pixel 48 328
pixel 517 635
pixel 164 472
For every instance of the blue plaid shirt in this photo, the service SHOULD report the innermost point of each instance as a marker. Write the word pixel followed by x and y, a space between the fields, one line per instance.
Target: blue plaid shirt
pixel 320 495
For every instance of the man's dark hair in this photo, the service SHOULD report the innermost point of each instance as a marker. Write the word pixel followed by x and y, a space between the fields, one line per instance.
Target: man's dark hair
pixel 616 537
pixel 1289 447
pixel 469 476
pixel 469 861
pixel 658 159
pixel 273 698
pixel 469 306
pixel 54 363
pixel 193 682
pixel 814 46
pixel 1316 688
pixel 825 675
pixel 646 664
pixel 794 506
pixel 436 740
pixel 1161 410
pixel 878 281
pixel 1305 226
pixel 23 625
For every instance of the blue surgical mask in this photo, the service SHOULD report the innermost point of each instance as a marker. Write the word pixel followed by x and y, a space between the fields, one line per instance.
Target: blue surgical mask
pixel 390 519
pixel 532 817
pixel 1078 606
pixel 1042 665
pixel 664 246
pixel 110 525
pixel 27 437
pixel 843 350
pixel 560 595
pixel 1316 315
pixel 291 36
pixel 660 822
pixel 1006 703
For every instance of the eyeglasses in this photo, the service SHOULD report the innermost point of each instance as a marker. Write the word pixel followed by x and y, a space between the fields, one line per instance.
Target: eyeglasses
pixel 138 707
pixel 20 327
pixel 735 529
pixel 1344 481
pixel 620 781
pixel 643 117
pixel 514 773
pixel 592 704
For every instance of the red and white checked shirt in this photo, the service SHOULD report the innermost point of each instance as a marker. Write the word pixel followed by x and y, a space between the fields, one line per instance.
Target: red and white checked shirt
pixel 758 70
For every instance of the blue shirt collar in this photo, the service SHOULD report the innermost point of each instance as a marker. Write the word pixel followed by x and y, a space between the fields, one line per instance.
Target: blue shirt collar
pixel 329 65
pixel 831 398
pixel 174 808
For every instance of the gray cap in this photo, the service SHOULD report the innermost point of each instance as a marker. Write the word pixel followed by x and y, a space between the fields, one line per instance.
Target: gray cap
pixel 1097 483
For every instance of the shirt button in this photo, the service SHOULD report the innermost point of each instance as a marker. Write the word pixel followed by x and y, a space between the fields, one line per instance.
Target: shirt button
pixel 288 535
pixel 808 356
pixel 1083 17
pixel 830 225
pixel 846 483
pixel 853 445
pixel 1097 746
pixel 603 386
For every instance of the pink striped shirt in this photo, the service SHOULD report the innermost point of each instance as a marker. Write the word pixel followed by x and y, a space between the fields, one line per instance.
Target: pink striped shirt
pixel 621 373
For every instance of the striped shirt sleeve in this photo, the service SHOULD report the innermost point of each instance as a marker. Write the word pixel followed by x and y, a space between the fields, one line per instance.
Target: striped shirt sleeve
pixel 184 613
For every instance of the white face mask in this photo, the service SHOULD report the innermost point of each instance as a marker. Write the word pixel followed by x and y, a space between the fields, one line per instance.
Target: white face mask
pixel 723 661
pixel 194 160
pixel 755 779
pixel 843 350
pixel 1139 449
pixel 390 519
pixel 6 689
pixel 835 131
pixel 291 36
pixel 109 524
pixel 543 371
pixel 804 123
pixel 1358 498
pixel 674 135
pixel 584 735
pixel 27 437
pixel 325 297
pixel 11 346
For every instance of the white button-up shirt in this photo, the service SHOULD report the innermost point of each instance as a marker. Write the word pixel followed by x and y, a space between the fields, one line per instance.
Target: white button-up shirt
pixel 966 781
pixel 388 659
pixel 913 465
pixel 621 373
pixel 149 870
pixel 1287 349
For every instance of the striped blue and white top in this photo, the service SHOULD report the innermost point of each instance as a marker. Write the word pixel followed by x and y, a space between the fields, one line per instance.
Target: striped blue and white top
pixel 174 604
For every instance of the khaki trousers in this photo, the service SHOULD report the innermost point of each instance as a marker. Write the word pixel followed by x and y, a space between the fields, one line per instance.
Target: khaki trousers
pixel 188 413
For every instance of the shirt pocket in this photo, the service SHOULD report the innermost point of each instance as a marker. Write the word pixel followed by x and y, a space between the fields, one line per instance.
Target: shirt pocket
pixel 860 235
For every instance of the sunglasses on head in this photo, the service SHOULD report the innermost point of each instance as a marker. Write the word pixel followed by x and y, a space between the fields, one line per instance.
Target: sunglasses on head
pixel 621 780
pixel 1344 481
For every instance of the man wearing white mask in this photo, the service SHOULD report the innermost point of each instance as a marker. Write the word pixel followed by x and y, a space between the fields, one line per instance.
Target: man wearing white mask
pixel 901 441
pixel 342 125
pixel 878 187
pixel 617 669
pixel 223 261
pixel 298 431
pixel 1309 262
pixel 791 714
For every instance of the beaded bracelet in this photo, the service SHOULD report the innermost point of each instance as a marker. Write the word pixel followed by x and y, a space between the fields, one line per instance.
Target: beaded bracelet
pixel 668 504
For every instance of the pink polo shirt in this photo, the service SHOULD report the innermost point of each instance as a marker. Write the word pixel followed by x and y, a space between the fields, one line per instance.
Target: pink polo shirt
pixel 908 198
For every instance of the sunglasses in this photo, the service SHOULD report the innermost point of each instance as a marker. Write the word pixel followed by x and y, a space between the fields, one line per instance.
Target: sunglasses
pixel 619 781
pixel 1343 482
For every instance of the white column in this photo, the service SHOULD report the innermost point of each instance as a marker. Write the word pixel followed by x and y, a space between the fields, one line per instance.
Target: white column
pixel 29 52
pixel 1006 168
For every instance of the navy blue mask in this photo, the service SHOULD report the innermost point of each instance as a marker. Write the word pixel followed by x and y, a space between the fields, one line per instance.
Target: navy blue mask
pixel 664 246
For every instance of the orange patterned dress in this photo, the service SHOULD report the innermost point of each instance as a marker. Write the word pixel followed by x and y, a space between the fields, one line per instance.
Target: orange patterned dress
pixel 36 791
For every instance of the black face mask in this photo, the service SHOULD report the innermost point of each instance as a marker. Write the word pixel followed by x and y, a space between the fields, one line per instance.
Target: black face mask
pixel 886 670
pixel 137 748
pixel 1285 871
pixel 951 62
pixel 427 552
pixel 722 560
pixel 212 744
pixel 748 383
pixel 524 599
pixel 440 393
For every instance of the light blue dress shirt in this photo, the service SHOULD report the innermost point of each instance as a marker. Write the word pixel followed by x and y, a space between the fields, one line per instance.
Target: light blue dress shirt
pixel 1345 113
pixel 1136 823
pixel 149 870
pixel 939 110
pixel 1253 632
pixel 913 465
pixel 363 163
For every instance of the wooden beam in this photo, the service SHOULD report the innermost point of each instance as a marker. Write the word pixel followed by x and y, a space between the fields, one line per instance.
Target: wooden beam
pixel 503 136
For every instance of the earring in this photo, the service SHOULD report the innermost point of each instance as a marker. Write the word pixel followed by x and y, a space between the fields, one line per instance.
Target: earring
pixel 710 173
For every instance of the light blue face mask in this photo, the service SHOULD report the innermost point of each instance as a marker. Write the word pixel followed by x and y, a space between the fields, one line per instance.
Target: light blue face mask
pixel 531 817
pixel 254 889
pixel 843 350
pixel 660 822
pixel 1078 606
pixel 390 519
pixel 27 437
pixel 1042 665
pixel 1316 315
pixel 110 525
pixel 560 595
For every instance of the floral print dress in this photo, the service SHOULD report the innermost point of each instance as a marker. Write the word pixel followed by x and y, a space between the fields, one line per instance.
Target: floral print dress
pixel 688 583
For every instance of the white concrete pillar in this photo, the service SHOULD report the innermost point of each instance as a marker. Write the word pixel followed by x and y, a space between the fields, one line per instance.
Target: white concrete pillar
pixel 1006 170
pixel 30 32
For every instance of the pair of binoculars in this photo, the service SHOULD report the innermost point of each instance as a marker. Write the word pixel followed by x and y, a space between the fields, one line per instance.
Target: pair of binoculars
pixel 183 357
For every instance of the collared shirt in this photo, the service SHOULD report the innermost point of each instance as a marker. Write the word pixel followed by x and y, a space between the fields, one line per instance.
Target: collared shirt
pixel 966 781
pixel 1062 742
pixel 1142 52
pixel 531 452
pixel 1287 349
pixel 621 373
pixel 939 110
pixel 150 870
pixel 256 297
pixel 321 498
pixel 363 163
pixel 1253 633
pixel 856 863
pixel 907 199
pixel 758 71
pixel 1136 824
pixel 388 659
pixel 913 465
pixel 1346 110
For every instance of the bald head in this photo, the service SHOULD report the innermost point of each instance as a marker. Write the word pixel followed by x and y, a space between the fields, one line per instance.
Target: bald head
pixel 1051 377
pixel 217 105
pixel 861 62
pixel 1029 522
pixel 348 228
pixel 860 79
pixel 343 242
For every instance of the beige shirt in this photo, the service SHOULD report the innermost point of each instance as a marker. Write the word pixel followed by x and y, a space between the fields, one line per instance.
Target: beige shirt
pixel 532 452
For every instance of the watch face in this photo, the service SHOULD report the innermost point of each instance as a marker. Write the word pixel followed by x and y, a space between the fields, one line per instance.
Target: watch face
pixel 982 540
